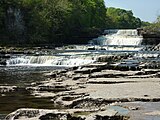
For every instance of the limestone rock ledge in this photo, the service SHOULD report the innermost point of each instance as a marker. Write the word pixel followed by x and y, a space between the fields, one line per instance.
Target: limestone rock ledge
pixel 69 114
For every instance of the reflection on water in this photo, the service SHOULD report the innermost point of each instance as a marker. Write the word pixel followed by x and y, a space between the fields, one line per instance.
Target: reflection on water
pixel 22 77
pixel 22 99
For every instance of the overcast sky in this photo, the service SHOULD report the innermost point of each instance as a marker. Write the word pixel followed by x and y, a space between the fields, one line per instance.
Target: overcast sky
pixel 146 10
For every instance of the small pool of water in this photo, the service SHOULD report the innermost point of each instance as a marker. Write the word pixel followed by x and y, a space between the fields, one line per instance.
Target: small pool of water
pixel 22 77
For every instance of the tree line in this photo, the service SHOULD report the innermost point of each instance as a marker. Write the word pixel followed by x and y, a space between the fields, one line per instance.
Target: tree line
pixel 152 28
pixel 59 21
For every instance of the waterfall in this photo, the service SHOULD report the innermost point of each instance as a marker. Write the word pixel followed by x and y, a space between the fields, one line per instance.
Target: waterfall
pixel 125 37
pixel 62 61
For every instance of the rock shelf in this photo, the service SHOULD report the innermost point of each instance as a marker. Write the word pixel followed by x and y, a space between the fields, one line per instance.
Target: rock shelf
pixel 98 91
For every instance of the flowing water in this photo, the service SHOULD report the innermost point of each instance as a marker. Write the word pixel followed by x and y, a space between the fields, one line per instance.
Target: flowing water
pixel 22 70
pixel 126 37
pixel 54 61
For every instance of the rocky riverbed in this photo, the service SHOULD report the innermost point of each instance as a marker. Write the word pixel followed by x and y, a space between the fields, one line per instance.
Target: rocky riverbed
pixel 94 92
pixel 115 87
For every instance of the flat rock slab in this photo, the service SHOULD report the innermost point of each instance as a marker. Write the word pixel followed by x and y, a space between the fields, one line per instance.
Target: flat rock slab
pixel 86 70
pixel 130 74
pixel 148 89
pixel 120 80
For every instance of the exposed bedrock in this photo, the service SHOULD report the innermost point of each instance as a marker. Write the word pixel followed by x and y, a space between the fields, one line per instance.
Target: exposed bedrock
pixel 92 92
pixel 70 114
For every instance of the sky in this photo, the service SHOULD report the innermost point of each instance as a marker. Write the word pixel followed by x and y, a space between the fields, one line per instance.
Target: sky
pixel 146 10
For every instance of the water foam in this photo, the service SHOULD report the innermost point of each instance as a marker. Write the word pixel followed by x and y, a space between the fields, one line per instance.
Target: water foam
pixel 58 61
pixel 125 37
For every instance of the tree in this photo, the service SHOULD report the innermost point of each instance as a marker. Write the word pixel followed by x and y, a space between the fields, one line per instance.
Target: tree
pixel 59 21
pixel 152 28
pixel 122 18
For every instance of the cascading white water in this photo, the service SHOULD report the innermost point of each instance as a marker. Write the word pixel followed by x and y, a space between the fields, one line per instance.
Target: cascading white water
pixel 61 61
pixel 125 37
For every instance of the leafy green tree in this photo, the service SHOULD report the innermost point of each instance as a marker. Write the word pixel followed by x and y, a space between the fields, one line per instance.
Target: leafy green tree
pixel 152 28
pixel 60 21
pixel 122 18
pixel 145 24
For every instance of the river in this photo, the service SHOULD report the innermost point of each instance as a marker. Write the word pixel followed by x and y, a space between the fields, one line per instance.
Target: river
pixel 22 70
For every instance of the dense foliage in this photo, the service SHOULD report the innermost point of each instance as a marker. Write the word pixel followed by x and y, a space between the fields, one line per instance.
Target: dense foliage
pixel 122 18
pixel 153 28
pixel 59 21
